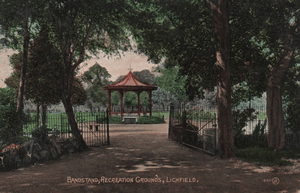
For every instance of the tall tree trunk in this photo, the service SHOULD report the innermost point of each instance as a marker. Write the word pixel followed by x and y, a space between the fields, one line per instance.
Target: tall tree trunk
pixel 72 121
pixel 20 99
pixel 67 78
pixel 66 84
pixel 37 115
pixel 220 19
pixel 276 133
pixel 44 115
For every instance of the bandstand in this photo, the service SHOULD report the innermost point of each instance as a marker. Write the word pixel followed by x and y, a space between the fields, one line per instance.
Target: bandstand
pixel 126 84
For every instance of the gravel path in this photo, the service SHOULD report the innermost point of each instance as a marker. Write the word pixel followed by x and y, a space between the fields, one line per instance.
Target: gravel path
pixel 142 159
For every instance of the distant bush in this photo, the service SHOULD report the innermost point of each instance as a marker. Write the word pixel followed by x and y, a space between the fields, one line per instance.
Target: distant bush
pixel 112 120
pixel 115 120
pixel 201 115
pixel 150 120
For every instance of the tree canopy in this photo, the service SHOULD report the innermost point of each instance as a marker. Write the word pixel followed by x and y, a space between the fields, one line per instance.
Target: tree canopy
pixel 96 77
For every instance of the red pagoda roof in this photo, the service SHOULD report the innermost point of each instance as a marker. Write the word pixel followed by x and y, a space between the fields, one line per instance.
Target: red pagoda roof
pixel 130 82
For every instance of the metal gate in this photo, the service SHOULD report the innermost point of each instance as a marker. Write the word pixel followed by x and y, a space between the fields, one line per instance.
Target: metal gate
pixel 194 127
pixel 94 128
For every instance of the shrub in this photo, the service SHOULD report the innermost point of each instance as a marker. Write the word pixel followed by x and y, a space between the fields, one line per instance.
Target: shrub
pixel 112 120
pixel 149 120
pixel 115 120
pixel 202 115
pixel 12 127
pixel 40 132
pixel 239 121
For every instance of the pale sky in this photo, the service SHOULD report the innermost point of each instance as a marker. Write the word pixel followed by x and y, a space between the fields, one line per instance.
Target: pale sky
pixel 115 66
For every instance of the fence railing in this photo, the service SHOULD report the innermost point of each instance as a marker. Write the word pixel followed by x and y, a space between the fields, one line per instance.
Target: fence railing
pixel 249 126
pixel 94 127
pixel 197 125
pixel 255 130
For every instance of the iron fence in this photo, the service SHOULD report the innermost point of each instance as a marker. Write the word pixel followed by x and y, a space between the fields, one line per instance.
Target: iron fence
pixel 254 130
pixel 250 126
pixel 197 127
pixel 94 127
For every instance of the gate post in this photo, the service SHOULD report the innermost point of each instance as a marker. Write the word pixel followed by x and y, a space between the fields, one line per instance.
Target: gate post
pixel 107 122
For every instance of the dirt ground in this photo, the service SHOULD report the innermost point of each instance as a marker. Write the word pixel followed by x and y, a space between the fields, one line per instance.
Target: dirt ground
pixel 142 159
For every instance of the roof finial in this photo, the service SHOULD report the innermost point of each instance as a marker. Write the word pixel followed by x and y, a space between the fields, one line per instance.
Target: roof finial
pixel 130 69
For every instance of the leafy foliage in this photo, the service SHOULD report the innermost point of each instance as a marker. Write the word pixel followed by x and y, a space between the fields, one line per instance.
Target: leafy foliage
pixel 96 77
pixel 240 119
pixel 162 97
pixel 130 99
pixel 150 120
pixel 173 83
pixel 12 129
pixel 291 100
pixel 145 76
pixel 115 120
pixel 10 121
pixel 260 128
pixel 40 132
pixel 115 98
pixel 43 72
pixel 144 99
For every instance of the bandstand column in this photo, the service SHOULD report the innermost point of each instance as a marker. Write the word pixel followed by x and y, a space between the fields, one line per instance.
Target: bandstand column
pixel 150 101
pixel 122 105
pixel 109 102
pixel 139 103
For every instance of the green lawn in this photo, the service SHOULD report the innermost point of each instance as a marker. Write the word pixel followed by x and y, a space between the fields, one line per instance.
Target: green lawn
pixel 161 113
pixel 262 116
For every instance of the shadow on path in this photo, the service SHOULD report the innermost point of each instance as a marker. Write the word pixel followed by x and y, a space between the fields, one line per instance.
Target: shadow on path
pixel 141 158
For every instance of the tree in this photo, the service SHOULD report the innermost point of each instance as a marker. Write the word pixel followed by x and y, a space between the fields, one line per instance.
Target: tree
pixel 7 103
pixel 145 76
pixel 144 99
pixel 162 97
pixel 76 26
pixel 201 48
pixel 15 21
pixel 279 36
pixel 171 81
pixel 96 77
pixel 130 100
pixel 115 98
pixel 189 43
pixel 221 21
pixel 291 101
pixel 42 85
pixel 11 122
pixel 80 26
